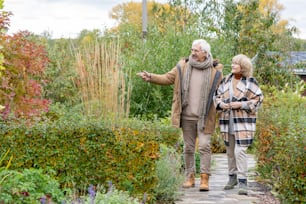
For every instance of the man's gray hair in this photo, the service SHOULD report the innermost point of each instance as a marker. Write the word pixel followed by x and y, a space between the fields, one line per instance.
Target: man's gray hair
pixel 203 44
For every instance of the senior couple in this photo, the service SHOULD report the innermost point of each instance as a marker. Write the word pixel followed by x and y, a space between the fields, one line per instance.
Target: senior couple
pixel 200 93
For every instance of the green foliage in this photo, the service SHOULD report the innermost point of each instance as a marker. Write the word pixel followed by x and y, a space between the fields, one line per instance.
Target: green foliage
pixel 2 159
pixel 102 195
pixel 114 197
pixel 170 177
pixel 239 26
pixel 157 54
pixel 230 27
pixel 299 44
pixel 281 142
pixel 60 72
pixel 84 151
pixel 253 28
pixel 268 70
pixel 28 186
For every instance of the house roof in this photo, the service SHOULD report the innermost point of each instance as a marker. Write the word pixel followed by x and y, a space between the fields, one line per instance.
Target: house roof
pixel 290 58
pixel 294 59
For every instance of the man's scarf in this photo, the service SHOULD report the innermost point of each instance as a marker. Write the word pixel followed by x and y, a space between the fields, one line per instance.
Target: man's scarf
pixel 206 67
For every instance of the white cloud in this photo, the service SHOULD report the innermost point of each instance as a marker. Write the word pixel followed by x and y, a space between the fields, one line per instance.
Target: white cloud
pixel 294 11
pixel 62 18
pixel 66 18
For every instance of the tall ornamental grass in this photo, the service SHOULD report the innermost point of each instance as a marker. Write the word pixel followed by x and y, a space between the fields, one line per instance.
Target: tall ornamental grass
pixel 101 80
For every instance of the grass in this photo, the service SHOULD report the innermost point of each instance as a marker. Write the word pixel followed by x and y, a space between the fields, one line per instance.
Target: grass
pixel 102 82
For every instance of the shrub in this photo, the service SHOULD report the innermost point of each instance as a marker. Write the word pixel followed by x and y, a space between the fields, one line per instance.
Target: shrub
pixel 114 197
pixel 28 186
pixel 281 143
pixel 21 84
pixel 102 195
pixel 169 177
pixel 85 151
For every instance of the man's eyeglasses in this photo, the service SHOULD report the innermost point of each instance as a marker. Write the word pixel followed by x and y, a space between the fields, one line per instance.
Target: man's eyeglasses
pixel 195 50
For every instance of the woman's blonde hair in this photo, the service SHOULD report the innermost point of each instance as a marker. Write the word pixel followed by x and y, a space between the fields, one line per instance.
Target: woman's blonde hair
pixel 245 64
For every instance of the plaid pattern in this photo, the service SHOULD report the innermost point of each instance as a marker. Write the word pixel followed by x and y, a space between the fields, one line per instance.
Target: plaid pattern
pixel 248 91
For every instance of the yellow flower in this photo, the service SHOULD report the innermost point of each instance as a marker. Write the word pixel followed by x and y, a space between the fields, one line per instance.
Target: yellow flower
pixel 2 107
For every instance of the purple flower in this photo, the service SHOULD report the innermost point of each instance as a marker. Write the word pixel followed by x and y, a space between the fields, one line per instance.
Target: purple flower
pixel 92 193
pixel 43 200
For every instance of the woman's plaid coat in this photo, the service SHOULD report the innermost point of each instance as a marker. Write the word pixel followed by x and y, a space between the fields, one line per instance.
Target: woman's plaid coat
pixel 244 120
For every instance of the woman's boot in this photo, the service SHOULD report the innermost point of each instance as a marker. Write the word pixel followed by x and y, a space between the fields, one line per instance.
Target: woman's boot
pixel 231 182
pixel 243 187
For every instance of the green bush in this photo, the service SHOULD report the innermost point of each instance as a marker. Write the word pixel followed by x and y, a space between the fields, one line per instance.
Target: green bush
pixel 84 151
pixel 158 54
pixel 28 186
pixel 169 176
pixel 281 143
pixel 114 197
pixel 60 73
pixel 102 195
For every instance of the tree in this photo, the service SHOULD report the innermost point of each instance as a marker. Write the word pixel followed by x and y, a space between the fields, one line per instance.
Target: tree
pixel 252 27
pixel 60 72
pixel 4 23
pixel 247 26
pixel 160 15
pixel 22 79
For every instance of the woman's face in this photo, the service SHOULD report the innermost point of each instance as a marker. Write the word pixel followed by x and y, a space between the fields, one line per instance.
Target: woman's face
pixel 236 68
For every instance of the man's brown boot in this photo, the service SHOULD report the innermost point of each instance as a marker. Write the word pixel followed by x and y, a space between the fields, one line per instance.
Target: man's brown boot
pixel 204 182
pixel 190 181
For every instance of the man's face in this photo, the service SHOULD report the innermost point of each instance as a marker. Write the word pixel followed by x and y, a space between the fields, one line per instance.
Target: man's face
pixel 197 54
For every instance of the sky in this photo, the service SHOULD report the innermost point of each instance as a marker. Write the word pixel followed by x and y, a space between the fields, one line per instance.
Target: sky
pixel 67 18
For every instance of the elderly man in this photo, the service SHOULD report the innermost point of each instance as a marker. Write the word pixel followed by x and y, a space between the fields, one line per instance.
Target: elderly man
pixel 194 79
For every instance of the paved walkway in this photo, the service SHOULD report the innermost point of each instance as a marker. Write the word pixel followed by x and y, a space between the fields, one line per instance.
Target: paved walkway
pixel 217 180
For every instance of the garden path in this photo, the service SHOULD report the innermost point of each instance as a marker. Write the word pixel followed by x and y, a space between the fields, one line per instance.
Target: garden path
pixel 219 177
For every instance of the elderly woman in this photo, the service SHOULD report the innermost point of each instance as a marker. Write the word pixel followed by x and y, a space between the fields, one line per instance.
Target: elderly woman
pixel 237 100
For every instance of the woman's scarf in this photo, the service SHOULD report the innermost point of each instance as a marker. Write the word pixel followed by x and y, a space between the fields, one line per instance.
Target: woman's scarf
pixel 205 66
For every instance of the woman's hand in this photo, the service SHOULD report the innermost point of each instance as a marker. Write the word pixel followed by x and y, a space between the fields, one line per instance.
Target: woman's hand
pixel 224 106
pixel 235 105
